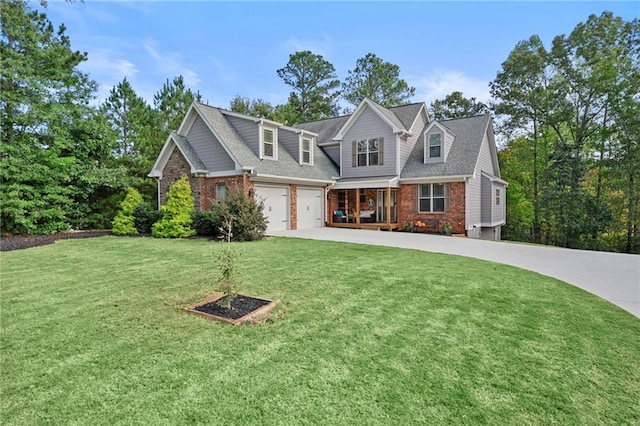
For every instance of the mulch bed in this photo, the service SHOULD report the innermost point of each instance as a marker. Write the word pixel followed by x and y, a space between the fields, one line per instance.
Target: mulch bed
pixel 18 242
pixel 244 309
pixel 240 306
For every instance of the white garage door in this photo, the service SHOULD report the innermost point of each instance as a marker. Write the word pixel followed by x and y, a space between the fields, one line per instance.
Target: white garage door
pixel 276 206
pixel 309 208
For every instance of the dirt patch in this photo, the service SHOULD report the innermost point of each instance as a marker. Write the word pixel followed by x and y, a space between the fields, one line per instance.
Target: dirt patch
pixel 18 242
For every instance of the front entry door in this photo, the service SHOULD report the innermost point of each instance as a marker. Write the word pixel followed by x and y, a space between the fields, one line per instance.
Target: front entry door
pixel 382 206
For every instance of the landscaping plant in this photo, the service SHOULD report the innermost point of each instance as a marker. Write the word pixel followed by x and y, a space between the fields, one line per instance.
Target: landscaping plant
pixel 177 213
pixel 144 216
pixel 248 224
pixel 124 222
pixel 228 265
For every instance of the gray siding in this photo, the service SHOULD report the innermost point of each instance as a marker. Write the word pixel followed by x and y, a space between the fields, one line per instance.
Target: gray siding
pixel 486 203
pixel 209 149
pixel 333 152
pixel 474 194
pixel 448 141
pixel 248 130
pixel 290 141
pixel 369 125
pixel 498 213
pixel 407 146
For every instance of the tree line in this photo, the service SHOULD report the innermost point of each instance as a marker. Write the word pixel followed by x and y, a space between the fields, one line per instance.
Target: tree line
pixel 568 116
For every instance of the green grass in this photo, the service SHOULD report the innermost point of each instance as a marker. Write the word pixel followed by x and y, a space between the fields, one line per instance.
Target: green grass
pixel 93 332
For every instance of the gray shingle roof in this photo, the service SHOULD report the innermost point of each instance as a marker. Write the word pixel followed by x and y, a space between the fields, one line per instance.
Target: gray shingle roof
pixel 325 129
pixel 390 115
pixel 286 166
pixel 188 151
pixel 463 154
pixel 407 113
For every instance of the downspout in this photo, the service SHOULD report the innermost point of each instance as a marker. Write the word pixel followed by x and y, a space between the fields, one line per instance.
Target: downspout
pixel 158 201
pixel 466 205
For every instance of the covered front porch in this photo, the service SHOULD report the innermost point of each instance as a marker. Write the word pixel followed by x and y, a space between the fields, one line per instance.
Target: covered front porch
pixel 369 203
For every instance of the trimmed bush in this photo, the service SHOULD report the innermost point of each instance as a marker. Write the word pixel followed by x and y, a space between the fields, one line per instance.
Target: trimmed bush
pixel 144 216
pixel 177 212
pixel 123 224
pixel 248 222
pixel 206 224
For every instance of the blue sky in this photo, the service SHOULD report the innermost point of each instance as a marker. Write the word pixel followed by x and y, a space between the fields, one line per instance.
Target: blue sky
pixel 228 48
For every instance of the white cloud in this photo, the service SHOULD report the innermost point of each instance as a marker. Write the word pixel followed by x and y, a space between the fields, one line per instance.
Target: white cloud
pixel 105 62
pixel 322 46
pixel 440 83
pixel 171 64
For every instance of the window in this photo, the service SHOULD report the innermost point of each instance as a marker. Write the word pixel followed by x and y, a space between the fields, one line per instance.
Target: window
pixel 268 144
pixel 221 192
pixel 435 145
pixel 497 196
pixel 306 151
pixel 431 198
pixel 369 152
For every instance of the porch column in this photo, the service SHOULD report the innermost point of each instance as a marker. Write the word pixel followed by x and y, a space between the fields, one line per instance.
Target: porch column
pixel 388 205
pixel 357 198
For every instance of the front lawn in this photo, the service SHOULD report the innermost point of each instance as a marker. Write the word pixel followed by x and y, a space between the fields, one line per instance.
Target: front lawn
pixel 93 332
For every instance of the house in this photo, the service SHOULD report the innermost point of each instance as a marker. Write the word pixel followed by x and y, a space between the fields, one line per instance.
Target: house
pixel 378 168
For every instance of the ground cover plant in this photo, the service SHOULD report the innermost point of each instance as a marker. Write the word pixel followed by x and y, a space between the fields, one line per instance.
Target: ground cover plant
pixel 93 332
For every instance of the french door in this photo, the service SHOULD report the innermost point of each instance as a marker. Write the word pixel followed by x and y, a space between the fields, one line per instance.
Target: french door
pixel 382 206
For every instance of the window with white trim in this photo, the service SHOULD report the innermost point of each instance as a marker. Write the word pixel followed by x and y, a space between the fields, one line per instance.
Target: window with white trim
pixel 221 191
pixel 497 196
pixel 435 145
pixel 307 151
pixel 432 198
pixel 268 143
pixel 368 152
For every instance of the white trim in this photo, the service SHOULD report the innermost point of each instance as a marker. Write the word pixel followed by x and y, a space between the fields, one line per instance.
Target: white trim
pixel 188 120
pixel 422 109
pixel 272 129
pixel 163 159
pixel 366 102
pixel 301 139
pixel 368 183
pixel 436 179
pixel 398 142
pixel 227 173
pixel 427 148
pixel 288 180
pixel 494 178
pixel 251 118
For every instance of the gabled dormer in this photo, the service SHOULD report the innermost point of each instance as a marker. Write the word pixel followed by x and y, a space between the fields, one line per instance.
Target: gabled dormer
pixel 299 143
pixel 437 143
pixel 268 140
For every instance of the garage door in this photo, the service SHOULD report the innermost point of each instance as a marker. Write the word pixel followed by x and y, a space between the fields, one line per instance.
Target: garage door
pixel 309 208
pixel 276 206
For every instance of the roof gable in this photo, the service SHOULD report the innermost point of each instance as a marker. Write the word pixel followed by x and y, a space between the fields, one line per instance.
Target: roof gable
pixel 387 116
pixel 187 151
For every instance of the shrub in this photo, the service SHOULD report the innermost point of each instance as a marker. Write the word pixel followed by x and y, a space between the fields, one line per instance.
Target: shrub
pixel 144 216
pixel 206 224
pixel 248 222
pixel 123 224
pixel 177 212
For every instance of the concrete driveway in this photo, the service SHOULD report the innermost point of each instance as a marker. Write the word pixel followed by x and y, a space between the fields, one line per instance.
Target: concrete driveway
pixel 612 276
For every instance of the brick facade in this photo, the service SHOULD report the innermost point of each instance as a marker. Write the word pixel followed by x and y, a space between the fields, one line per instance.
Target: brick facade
pixel 455 216
pixel 202 188
pixel 293 206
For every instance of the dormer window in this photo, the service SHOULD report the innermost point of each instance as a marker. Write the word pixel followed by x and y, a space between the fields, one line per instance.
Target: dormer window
pixel 269 144
pixel 435 145
pixel 306 151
